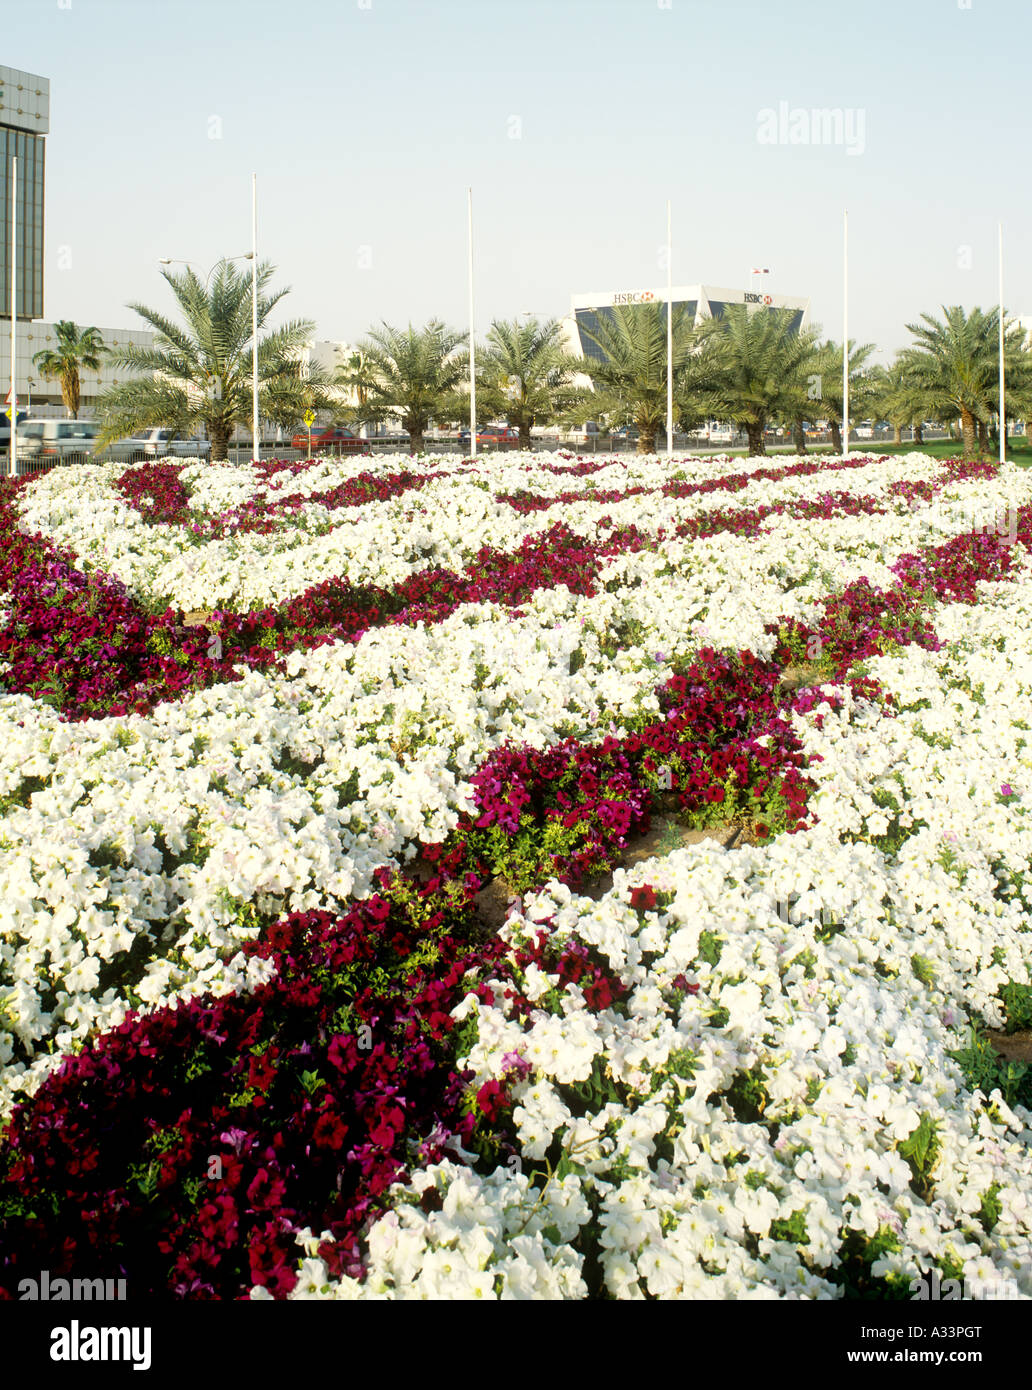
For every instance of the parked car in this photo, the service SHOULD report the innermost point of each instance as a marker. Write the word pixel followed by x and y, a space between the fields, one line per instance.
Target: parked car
pixel 579 434
pixel 330 439
pixel 58 441
pixel 156 443
pixel 492 434
pixel 625 432
pixel 865 429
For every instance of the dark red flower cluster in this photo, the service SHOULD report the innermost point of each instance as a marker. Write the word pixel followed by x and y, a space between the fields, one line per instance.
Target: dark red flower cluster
pixel 185 1148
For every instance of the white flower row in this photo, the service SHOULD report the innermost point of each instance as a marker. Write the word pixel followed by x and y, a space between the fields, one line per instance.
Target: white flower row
pixel 839 1033
pixel 169 824
pixel 442 524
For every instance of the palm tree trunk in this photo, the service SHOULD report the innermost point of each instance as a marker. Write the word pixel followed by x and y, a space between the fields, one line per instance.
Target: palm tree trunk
pixel 983 437
pixel 836 436
pixel 967 426
pixel 416 441
pixel 799 436
pixel 754 430
pixel 70 394
pixel 525 437
pixel 646 438
pixel 220 432
pixel 897 434
pixel 918 432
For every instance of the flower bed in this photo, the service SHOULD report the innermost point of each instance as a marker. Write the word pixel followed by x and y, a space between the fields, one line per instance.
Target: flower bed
pixel 249 908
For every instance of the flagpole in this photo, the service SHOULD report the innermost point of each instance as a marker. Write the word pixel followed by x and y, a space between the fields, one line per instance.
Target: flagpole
pixel 845 333
pixel 669 340
pixel 472 346
pixel 14 317
pixel 1003 406
pixel 255 449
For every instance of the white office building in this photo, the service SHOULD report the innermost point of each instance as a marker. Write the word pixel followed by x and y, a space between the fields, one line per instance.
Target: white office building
pixel 39 397
pixel 700 302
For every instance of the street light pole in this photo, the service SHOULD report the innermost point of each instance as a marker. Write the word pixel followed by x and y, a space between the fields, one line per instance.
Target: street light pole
pixel 255 450
pixel 472 346
pixel 669 340
pixel 845 333
pixel 14 317
pixel 1003 407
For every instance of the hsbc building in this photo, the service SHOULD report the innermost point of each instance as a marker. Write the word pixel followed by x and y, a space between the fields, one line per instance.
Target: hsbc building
pixel 700 302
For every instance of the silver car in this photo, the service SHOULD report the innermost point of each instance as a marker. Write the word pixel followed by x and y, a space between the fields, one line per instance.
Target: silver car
pixel 57 441
pixel 156 443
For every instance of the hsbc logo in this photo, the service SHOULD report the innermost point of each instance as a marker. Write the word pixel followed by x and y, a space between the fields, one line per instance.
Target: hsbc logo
pixel 634 297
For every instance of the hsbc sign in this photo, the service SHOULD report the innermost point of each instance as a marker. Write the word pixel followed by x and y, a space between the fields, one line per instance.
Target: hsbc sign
pixel 758 299
pixel 634 297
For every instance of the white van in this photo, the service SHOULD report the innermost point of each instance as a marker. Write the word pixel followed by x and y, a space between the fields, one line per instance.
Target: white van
pixel 58 441
pixel 579 434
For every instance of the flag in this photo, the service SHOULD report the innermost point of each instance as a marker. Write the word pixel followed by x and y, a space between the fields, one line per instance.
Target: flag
pixel 761 272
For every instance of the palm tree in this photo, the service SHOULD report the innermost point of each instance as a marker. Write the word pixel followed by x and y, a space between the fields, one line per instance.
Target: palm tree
pixel 74 352
pixel 954 369
pixel 754 367
pixel 896 399
pixel 201 374
pixel 631 380
pixel 416 375
pixel 526 374
pixel 827 368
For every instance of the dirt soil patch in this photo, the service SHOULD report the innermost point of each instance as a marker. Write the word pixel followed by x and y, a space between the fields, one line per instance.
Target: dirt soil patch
pixel 793 678
pixel 200 617
pixel 1013 1047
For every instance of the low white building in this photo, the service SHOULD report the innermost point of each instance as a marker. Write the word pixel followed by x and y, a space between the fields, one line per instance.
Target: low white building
pixel 42 397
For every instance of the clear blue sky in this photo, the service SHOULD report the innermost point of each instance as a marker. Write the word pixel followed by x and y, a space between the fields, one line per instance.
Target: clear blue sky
pixel 365 120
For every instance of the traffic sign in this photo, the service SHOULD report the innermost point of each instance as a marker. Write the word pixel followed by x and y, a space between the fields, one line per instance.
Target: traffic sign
pixel 309 418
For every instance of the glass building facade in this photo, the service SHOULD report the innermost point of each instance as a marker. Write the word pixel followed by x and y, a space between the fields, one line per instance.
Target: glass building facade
pixel 587 319
pixel 697 302
pixel 29 150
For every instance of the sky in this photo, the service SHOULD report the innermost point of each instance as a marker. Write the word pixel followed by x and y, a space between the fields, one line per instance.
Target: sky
pixel 573 121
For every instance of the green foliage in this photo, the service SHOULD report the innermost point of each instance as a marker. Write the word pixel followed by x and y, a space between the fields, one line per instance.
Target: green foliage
pixel 747 1095
pixel 710 947
pixel 754 367
pixel 530 855
pixel 923 969
pixel 414 375
pixel 921 1151
pixel 953 368
pixel 989 1210
pixel 631 380
pixel 200 374
pixel 1017 1004
pixel 75 352
pixel 525 375
pixel 792 1228
pixel 986 1071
